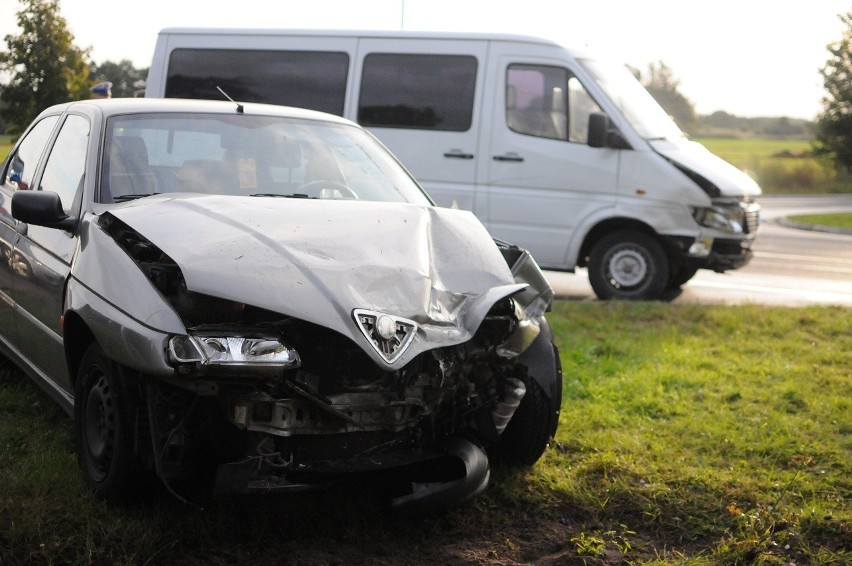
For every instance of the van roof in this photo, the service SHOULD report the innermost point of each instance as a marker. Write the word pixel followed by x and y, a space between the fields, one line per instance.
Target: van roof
pixel 482 36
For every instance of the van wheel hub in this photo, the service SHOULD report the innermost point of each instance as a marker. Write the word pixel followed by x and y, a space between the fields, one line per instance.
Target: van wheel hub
pixel 627 268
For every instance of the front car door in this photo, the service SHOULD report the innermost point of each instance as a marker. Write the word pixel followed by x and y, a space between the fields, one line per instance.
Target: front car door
pixel 543 178
pixel 39 290
pixel 19 174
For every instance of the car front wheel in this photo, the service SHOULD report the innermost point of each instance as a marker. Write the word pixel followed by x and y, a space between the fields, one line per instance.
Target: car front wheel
pixel 529 431
pixel 628 265
pixel 103 421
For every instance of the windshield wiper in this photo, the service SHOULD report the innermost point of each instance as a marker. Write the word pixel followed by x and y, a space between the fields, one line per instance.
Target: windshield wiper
pixel 123 198
pixel 279 195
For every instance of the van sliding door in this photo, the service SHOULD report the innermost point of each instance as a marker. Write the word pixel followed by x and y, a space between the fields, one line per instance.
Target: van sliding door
pixel 420 97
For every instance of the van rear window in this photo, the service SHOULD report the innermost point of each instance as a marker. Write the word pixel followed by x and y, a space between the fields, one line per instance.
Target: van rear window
pixel 429 92
pixel 306 79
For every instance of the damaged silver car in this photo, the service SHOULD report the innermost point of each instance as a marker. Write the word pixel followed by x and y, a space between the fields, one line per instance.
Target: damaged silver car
pixel 254 298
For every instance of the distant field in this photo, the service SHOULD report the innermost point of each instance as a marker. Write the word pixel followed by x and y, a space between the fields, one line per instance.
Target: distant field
pixel 781 166
pixel 745 152
pixel 5 146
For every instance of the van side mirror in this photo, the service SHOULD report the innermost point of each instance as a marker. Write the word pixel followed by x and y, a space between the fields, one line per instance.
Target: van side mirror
pixel 41 208
pixel 601 134
pixel 598 129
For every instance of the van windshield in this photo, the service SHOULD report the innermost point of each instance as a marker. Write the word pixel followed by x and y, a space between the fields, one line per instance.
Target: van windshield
pixel 639 108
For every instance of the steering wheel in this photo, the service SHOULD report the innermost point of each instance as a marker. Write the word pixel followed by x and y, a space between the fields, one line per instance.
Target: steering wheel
pixel 319 185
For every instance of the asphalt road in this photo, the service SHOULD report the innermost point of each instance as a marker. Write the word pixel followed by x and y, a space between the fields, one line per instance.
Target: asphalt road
pixel 791 266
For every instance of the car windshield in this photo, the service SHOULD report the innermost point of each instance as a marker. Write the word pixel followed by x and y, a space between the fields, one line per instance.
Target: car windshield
pixel 246 155
pixel 643 112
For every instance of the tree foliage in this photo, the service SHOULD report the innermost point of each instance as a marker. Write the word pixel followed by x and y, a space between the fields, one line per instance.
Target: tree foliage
pixel 125 78
pixel 44 65
pixel 659 80
pixel 834 124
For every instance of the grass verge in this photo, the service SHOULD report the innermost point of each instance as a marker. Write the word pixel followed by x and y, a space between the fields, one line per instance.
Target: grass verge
pixel 689 435
pixel 840 220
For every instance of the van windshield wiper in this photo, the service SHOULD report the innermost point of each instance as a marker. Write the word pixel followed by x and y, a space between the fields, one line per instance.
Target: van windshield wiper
pixel 123 198
pixel 280 195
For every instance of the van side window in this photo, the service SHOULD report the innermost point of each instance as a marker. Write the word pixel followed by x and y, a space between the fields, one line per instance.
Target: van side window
pixel 547 102
pixel 424 92
pixel 306 79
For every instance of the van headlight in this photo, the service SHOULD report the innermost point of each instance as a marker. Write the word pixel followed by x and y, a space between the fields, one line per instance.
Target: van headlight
pixel 726 217
pixel 233 351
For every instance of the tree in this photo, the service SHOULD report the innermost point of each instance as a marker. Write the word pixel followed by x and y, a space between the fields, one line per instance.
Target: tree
pixel 125 78
pixel 45 66
pixel 834 124
pixel 663 86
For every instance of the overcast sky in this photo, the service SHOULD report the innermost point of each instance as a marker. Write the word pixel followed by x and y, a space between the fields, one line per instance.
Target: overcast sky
pixel 746 57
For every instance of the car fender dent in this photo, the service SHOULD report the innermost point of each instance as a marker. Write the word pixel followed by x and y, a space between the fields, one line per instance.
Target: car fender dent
pixel 126 340
pixel 111 275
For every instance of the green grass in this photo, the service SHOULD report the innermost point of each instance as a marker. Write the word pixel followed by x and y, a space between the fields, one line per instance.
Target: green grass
pixel 840 220
pixel 689 435
pixel 781 166
pixel 6 143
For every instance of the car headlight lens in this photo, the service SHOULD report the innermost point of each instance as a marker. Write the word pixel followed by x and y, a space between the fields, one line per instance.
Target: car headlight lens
pixel 232 351
pixel 725 217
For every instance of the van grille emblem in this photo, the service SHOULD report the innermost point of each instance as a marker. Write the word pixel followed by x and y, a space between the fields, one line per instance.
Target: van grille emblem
pixel 389 335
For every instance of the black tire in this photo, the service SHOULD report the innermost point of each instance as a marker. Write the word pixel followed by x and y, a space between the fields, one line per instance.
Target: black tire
pixel 680 276
pixel 628 265
pixel 529 431
pixel 104 417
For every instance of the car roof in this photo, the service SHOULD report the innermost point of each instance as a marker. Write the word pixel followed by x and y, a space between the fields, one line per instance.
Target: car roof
pixel 115 106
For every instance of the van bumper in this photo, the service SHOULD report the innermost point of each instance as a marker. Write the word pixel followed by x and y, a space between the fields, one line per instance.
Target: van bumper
pixel 722 255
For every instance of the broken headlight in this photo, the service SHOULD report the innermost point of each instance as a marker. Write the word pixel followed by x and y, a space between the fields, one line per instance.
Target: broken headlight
pixel 724 216
pixel 239 351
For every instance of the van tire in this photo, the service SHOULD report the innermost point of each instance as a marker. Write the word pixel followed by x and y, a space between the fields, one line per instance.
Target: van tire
pixel 680 276
pixel 628 265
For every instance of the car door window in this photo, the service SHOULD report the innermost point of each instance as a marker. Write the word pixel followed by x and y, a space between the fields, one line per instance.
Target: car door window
pixel 65 167
pixel 22 164
pixel 547 102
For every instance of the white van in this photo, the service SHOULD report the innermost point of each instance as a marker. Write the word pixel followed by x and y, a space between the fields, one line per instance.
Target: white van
pixel 555 151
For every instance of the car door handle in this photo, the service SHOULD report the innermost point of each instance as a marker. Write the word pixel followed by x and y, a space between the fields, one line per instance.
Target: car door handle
pixel 457 154
pixel 509 157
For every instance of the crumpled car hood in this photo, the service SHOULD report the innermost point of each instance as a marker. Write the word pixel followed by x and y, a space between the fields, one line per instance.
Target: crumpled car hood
pixel 731 181
pixel 318 260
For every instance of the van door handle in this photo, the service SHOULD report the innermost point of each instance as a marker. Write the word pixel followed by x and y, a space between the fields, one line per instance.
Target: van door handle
pixel 509 157
pixel 458 154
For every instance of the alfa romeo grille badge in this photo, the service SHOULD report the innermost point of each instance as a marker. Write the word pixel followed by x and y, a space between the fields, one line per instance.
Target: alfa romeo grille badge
pixel 389 335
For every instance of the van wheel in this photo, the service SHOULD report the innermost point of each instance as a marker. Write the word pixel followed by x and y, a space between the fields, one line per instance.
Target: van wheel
pixel 628 265
pixel 680 276
pixel 103 427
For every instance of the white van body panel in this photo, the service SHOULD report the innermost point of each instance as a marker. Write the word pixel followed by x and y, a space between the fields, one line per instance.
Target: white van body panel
pixel 538 183
pixel 443 162
pixel 732 182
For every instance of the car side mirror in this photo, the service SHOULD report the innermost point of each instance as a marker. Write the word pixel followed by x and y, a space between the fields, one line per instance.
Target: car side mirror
pixel 601 134
pixel 41 208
